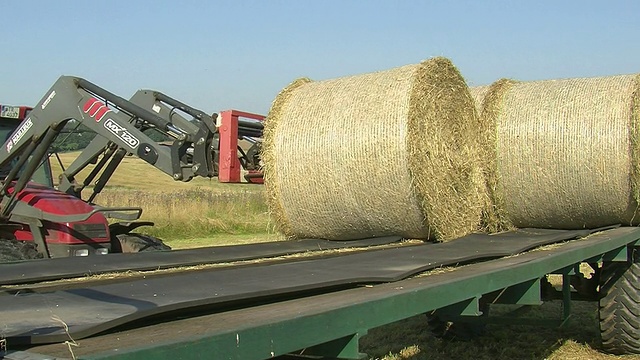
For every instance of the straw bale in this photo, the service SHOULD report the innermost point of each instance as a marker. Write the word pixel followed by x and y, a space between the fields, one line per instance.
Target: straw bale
pixel 478 94
pixel 567 152
pixel 489 217
pixel 488 100
pixel 374 154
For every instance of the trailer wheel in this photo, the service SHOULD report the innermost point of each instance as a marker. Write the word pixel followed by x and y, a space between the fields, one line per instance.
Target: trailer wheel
pixel 13 250
pixel 132 242
pixel 619 308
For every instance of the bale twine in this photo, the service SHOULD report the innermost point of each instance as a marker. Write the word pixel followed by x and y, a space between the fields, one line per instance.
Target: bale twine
pixel 377 154
pixel 567 151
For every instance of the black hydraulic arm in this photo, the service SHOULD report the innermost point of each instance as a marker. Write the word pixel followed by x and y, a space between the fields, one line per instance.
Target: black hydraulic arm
pixel 166 107
pixel 190 147
pixel 202 126
pixel 173 110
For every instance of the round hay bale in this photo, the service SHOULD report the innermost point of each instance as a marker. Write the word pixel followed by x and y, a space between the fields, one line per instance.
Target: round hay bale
pixel 566 151
pixel 488 100
pixel 489 214
pixel 478 94
pixel 377 154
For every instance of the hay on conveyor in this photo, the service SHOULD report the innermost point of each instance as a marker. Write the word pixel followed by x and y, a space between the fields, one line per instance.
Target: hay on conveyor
pixel 384 153
pixel 566 151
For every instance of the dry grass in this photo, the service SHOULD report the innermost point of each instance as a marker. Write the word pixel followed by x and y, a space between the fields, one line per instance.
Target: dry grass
pixel 411 339
pixel 499 342
pixel 136 174
pixel 488 102
pixel 182 211
pixel 222 239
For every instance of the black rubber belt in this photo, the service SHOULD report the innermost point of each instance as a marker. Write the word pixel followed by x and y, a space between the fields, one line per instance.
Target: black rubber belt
pixel 31 318
pixel 70 267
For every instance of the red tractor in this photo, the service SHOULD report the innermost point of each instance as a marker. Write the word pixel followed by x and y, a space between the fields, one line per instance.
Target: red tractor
pixel 69 226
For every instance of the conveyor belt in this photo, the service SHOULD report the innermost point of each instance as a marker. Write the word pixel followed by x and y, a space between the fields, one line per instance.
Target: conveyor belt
pixel 70 267
pixel 265 328
pixel 28 318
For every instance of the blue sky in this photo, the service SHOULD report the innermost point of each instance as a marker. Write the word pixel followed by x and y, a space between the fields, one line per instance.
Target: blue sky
pixel 218 55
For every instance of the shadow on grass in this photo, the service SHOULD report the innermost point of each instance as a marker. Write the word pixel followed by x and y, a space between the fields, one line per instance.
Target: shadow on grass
pixel 411 338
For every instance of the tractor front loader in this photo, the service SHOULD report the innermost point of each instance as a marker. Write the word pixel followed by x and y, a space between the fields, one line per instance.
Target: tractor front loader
pixel 37 219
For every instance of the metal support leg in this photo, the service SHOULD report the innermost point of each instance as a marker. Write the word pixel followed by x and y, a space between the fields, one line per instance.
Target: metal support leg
pixel 37 230
pixel 566 298
pixel 469 307
pixel 343 348
pixel 526 293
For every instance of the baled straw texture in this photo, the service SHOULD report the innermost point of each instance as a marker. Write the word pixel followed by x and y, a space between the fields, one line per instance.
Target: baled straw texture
pixel 377 154
pixel 567 152
pixel 488 100
pixel 478 93
pixel 489 216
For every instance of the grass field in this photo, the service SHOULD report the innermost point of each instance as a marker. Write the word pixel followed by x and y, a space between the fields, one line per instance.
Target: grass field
pixel 184 211
pixel 204 212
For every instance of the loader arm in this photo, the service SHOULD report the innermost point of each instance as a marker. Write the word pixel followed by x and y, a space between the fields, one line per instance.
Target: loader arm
pixel 169 108
pixel 244 126
pixel 118 124
pixel 200 124
pixel 188 154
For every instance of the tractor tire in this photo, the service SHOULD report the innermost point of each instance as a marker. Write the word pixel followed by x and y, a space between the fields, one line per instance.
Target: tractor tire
pixel 13 250
pixel 619 308
pixel 133 243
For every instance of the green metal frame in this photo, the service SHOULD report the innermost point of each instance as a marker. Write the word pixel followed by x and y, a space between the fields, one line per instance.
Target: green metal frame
pixel 331 324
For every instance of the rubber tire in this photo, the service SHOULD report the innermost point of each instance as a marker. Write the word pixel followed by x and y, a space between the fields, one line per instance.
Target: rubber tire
pixel 13 250
pixel 133 243
pixel 619 308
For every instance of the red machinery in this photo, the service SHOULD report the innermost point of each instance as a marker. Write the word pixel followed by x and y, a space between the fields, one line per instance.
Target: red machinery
pixel 65 238
pixel 14 112
pixel 230 162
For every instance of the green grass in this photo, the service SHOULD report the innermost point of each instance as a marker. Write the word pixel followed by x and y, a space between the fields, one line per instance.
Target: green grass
pixel 197 212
